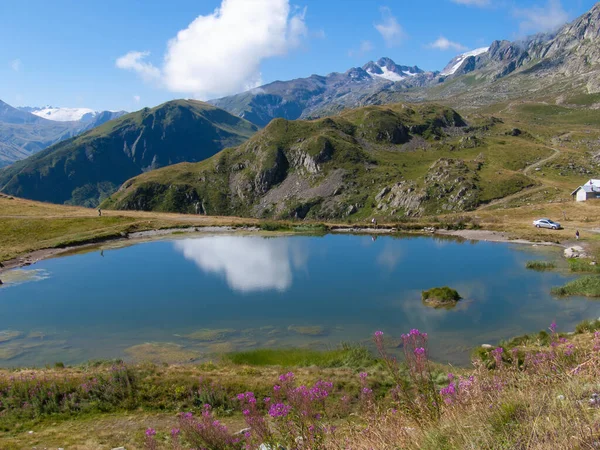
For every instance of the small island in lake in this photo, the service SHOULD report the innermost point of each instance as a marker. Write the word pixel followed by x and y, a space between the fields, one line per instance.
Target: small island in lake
pixel 442 297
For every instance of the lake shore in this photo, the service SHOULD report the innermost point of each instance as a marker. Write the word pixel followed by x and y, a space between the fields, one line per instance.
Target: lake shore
pixel 32 231
pixel 31 258
pixel 492 236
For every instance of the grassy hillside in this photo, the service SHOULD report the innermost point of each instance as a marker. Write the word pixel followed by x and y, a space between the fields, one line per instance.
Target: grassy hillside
pixel 86 169
pixel 394 161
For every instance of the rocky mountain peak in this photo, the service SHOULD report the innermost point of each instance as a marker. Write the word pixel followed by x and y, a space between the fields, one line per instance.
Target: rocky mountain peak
pixel 358 74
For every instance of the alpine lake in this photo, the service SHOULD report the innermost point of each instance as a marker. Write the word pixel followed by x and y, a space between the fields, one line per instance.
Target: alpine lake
pixel 190 298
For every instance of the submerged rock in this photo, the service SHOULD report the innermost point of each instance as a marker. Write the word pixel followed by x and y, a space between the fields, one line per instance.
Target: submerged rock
pixel 161 352
pixel 211 335
pixel 9 335
pixel 309 330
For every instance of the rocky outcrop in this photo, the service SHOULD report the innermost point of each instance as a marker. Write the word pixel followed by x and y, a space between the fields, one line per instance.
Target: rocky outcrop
pixel 311 154
pixel 575 251
pixel 402 198
pixel 449 185
pixel 273 170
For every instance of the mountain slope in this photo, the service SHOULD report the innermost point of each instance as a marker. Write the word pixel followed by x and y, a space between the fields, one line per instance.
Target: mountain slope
pixel 301 97
pixel 85 169
pixel 24 133
pixel 551 67
pixel 395 160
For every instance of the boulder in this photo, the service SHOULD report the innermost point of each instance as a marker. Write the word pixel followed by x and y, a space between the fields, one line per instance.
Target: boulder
pixel 575 251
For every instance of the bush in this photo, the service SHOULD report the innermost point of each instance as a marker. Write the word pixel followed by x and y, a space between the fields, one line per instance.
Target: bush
pixel 274 226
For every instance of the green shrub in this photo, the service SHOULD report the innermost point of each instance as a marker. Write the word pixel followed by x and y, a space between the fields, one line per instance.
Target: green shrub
pixel 274 226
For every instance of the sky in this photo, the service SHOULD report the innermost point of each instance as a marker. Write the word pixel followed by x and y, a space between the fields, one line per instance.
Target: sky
pixel 128 54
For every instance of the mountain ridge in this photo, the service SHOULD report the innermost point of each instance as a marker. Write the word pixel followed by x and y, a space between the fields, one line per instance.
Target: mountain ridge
pixel 86 168
pixel 560 63
pixel 396 160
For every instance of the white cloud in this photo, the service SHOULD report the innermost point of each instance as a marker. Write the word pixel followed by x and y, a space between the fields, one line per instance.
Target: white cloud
pixel 364 48
pixel 390 257
pixel 16 65
pixel 248 264
pixel 444 44
pixel 473 2
pixel 136 98
pixel 221 53
pixel 542 18
pixel 135 61
pixel 389 28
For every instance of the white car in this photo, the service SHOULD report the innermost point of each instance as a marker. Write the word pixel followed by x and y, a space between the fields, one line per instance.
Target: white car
pixel 546 223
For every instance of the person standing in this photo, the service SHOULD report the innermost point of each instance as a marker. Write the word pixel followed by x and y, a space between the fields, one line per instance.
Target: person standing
pixel 99 212
pixel 577 235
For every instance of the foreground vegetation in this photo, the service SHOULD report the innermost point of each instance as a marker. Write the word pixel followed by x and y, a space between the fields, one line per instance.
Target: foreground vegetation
pixel 535 391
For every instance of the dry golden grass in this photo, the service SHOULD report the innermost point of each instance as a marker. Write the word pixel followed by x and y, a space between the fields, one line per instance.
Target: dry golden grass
pixel 27 226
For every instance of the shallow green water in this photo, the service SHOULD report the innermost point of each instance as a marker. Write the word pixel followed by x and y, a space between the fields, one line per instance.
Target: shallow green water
pixel 184 299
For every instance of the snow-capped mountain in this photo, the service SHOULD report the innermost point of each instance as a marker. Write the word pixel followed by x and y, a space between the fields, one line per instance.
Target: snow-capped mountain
pixel 458 60
pixel 387 69
pixel 65 114
pixel 69 114
pixel 319 95
pixel 26 130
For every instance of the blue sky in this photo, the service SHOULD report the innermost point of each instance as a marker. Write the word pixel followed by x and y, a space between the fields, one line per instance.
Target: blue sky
pixel 111 54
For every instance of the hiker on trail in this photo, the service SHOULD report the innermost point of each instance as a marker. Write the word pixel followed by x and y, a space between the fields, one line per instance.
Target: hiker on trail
pixel 99 212
pixel 374 221
pixel 577 235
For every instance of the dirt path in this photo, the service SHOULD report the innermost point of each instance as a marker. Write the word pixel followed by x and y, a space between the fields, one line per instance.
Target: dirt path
pixel 526 191
pixel 543 161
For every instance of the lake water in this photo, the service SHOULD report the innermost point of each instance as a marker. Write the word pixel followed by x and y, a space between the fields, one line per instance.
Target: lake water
pixel 186 298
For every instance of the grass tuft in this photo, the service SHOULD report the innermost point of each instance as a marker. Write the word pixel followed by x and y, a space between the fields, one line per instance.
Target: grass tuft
pixel 540 265
pixel 299 357
pixel 588 286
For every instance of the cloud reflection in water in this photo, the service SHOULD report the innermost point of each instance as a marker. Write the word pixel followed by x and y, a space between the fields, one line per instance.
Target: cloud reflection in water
pixel 248 264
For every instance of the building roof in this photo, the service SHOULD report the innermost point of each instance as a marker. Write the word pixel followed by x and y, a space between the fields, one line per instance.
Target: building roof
pixel 592 185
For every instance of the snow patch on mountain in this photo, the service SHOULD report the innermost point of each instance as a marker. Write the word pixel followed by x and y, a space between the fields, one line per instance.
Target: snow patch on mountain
pixel 387 74
pixel 457 61
pixel 64 114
